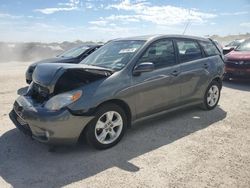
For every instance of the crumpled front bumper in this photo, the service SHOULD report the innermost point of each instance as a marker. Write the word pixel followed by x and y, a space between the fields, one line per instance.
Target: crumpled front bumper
pixel 52 127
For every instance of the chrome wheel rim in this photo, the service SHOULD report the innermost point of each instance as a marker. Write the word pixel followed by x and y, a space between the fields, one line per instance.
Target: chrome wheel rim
pixel 108 127
pixel 213 95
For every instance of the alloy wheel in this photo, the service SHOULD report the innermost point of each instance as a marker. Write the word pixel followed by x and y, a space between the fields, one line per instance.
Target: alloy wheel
pixel 108 127
pixel 213 95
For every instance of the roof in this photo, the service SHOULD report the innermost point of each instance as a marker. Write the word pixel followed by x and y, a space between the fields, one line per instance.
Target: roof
pixel 89 45
pixel 151 37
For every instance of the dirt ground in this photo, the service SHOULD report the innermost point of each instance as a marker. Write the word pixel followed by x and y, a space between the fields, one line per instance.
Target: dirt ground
pixel 188 148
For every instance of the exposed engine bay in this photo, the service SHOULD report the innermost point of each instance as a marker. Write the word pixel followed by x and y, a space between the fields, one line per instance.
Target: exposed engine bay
pixel 65 78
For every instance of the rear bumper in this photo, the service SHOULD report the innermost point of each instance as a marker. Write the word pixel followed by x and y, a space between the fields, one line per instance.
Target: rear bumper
pixel 50 127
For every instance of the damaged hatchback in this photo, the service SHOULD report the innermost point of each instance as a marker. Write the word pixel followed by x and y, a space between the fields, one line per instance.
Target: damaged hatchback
pixel 122 82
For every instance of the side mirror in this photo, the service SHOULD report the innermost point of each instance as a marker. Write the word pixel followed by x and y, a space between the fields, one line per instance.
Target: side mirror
pixel 143 67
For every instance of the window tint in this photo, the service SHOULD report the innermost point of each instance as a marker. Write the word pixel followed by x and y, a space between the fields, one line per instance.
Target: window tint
pixel 188 50
pixel 161 53
pixel 209 48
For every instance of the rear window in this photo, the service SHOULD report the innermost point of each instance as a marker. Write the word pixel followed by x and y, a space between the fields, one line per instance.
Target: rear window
pixel 188 50
pixel 209 48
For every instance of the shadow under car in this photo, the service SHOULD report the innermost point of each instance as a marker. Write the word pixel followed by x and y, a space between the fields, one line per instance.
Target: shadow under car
pixel 25 162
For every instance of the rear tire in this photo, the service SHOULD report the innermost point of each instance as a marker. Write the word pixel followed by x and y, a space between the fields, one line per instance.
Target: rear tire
pixel 107 128
pixel 212 96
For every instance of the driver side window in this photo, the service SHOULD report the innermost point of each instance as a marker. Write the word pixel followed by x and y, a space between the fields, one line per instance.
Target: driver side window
pixel 161 53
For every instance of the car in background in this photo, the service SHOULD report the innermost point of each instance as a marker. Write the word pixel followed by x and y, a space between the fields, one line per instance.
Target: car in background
pixel 74 56
pixel 237 62
pixel 232 45
pixel 123 81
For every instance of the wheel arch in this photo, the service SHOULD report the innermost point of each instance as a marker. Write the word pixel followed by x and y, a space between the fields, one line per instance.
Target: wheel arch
pixel 218 80
pixel 121 104
pixel 118 102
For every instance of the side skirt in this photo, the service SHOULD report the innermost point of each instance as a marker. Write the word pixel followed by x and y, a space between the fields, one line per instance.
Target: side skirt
pixel 166 111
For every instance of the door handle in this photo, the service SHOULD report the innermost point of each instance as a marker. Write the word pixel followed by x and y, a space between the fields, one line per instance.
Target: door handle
pixel 205 65
pixel 175 73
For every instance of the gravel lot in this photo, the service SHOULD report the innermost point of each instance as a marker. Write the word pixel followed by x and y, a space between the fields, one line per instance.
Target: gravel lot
pixel 188 148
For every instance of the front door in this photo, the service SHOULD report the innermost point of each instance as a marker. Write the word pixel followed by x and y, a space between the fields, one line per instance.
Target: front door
pixel 159 89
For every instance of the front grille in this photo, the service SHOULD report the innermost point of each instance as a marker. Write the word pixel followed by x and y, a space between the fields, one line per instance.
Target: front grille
pixel 39 93
pixel 43 91
pixel 238 64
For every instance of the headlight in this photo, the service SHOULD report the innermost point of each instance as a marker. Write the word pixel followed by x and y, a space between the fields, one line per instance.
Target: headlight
pixel 59 101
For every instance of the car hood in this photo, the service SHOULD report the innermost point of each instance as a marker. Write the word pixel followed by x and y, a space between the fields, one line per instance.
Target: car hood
pixel 238 55
pixel 54 60
pixel 47 74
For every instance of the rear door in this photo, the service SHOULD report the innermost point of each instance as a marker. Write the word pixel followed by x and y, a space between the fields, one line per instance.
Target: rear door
pixel 159 89
pixel 194 69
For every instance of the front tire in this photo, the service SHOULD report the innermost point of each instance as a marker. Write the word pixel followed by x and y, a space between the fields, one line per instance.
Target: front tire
pixel 108 126
pixel 212 96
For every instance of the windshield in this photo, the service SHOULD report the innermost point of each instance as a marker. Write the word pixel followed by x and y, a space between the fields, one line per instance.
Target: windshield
pixel 245 46
pixel 74 52
pixel 234 43
pixel 114 55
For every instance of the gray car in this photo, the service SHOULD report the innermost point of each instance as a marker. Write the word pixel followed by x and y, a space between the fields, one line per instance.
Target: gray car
pixel 120 83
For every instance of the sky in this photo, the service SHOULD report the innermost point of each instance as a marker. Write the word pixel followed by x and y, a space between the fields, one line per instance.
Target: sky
pixel 102 20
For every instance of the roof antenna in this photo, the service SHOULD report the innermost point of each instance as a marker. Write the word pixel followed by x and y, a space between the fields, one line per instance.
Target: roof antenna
pixel 188 23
